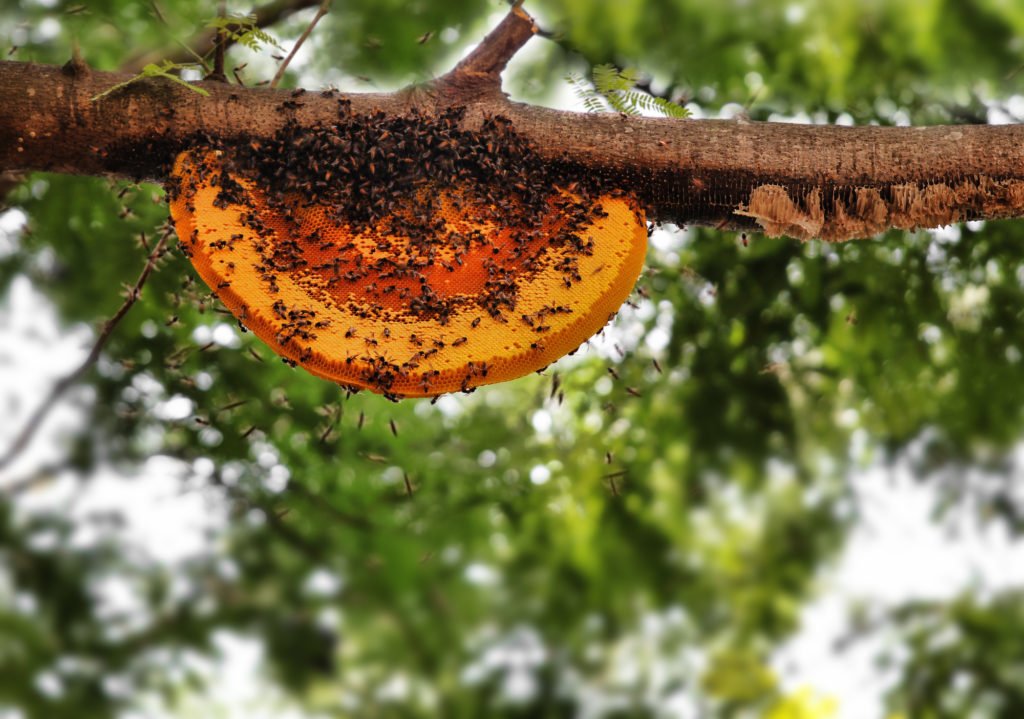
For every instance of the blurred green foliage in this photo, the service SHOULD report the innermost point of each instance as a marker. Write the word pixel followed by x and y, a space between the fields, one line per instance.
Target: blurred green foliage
pixel 535 548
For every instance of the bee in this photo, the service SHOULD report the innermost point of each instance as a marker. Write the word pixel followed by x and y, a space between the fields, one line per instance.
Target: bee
pixel 326 433
pixel 611 482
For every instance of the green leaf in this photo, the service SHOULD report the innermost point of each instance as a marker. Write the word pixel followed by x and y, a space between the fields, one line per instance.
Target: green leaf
pixel 614 89
pixel 242 29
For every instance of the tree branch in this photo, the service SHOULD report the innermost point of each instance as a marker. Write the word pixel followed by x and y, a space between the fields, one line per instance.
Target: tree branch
pixel 784 179
pixel 35 421
pixel 266 15
pixel 800 180
pixel 491 56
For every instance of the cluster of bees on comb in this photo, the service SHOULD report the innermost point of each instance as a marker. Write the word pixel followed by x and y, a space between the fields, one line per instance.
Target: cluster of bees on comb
pixel 406 255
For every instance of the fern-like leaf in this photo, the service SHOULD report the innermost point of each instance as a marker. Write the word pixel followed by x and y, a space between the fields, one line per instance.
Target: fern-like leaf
pixel 609 79
pixel 587 95
pixel 243 30
pixel 643 102
pixel 615 89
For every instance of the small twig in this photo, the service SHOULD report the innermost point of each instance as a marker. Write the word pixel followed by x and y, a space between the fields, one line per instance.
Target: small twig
pixel 219 47
pixel 36 420
pixel 157 12
pixel 199 59
pixel 320 12
pixel 38 478
pixel 355 521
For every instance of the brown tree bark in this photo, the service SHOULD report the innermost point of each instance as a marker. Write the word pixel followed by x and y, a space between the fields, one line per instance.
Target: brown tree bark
pixel 797 180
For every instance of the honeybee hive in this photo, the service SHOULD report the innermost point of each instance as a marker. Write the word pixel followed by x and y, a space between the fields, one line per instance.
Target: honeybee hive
pixel 406 255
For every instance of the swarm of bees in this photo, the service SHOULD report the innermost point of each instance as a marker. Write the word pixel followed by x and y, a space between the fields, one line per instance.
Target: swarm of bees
pixel 406 255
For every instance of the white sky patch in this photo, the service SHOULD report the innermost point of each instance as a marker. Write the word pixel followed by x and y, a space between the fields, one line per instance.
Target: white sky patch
pixel 322 583
pixel 897 553
pixel 515 658
pixel 540 475
pixel 167 512
pixel 483 575
pixel 238 686
pixel 35 352
pixel 11 224
pixel 541 422
pixel 47 29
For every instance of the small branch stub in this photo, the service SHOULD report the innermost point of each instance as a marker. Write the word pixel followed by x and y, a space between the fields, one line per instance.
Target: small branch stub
pixel 76 67
pixel 490 57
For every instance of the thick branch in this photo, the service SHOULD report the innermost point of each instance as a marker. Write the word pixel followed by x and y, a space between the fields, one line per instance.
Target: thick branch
pixel 800 180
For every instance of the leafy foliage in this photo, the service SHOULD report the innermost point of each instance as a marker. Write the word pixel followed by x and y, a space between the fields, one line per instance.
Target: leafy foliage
pixel 243 30
pixel 616 90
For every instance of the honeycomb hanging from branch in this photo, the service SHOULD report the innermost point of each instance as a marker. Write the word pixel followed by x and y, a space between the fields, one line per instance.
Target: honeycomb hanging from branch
pixel 405 255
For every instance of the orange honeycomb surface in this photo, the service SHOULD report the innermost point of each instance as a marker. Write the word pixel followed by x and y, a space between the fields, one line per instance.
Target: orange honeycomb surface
pixel 389 308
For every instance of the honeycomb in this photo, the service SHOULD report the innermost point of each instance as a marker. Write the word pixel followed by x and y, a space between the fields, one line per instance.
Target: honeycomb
pixel 446 286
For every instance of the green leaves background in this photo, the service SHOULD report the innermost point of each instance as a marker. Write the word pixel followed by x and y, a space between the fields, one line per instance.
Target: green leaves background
pixel 674 522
